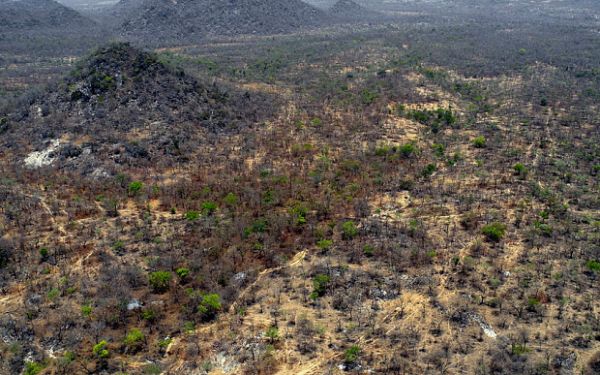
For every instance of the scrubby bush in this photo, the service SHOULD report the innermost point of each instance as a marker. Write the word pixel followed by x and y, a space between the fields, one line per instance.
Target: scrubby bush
pixel 182 272
pixel 351 354
pixel 209 208
pixel 593 265
pixel 231 199
pixel 349 230
pixel 272 334
pixel 320 283
pixel 479 142
pixel 159 280
pixel 135 187
pixel 428 170
pixel 134 339
pixel 86 310
pixel 494 231
pixel 209 306
pixel 407 150
pixel 192 215
pixel 100 350
pixel 520 170
pixel 33 368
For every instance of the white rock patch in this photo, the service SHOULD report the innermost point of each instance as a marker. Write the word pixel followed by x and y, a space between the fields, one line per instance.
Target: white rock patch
pixel 39 159
pixel 487 329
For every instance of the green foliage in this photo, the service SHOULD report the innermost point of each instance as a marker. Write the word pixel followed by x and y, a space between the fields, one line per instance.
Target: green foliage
pixel 135 187
pixel 118 246
pixel 152 369
pixel 368 96
pixel 67 358
pixel 189 327
pixel 159 280
pixel 182 272
pixel 86 310
pixel 519 349
pixel 368 250
pixel 100 349
pixel 324 244
pixel 192 215
pixel 438 149
pixel 272 333
pixel 349 230
pixel 436 119
pixel 231 199
pixel 44 253
pixel 53 294
pixel 593 265
pixel 101 82
pixel 407 150
pixel 209 208
pixel 533 303
pixel 543 228
pixel 134 338
pixel 149 315
pixel 298 213
pixel 164 343
pixel 479 142
pixel 494 231
pixel 520 170
pixel 351 354
pixel 259 226
pixel 320 283
pixel 33 368
pixel 428 170
pixel 209 306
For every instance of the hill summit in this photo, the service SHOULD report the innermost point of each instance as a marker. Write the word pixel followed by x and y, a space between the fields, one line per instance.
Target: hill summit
pixel 39 15
pixel 124 106
pixel 166 20
pixel 349 10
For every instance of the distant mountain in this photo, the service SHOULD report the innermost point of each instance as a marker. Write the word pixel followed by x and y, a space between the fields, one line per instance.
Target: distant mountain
pixel 39 15
pixel 173 20
pixel 124 107
pixel 348 10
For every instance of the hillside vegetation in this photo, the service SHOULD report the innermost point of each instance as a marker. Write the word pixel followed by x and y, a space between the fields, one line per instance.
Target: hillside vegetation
pixel 403 198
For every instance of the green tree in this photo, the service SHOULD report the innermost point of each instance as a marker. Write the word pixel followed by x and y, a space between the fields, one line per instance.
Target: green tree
pixel 231 199
pixel 135 187
pixel 134 339
pixel 272 334
pixel 100 350
pixel 320 283
pixel 479 142
pixel 209 306
pixel 351 354
pixel 159 280
pixel 494 231
pixel 349 230
pixel 33 368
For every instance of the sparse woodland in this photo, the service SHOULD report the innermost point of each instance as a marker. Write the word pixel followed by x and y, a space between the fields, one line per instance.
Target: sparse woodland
pixel 401 198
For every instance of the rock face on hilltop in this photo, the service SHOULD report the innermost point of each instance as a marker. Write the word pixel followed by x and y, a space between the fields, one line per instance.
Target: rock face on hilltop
pixel 122 106
pixel 348 10
pixel 167 20
pixel 39 15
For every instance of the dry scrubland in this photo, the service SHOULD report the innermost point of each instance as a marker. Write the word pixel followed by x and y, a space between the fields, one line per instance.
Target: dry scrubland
pixel 395 199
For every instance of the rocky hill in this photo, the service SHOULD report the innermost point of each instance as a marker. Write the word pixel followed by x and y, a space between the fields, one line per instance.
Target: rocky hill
pixel 46 28
pixel 348 10
pixel 165 20
pixel 122 107
pixel 39 15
